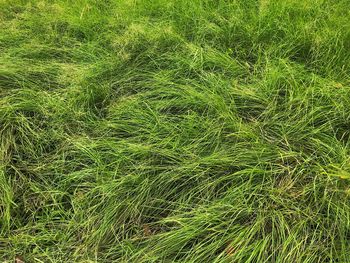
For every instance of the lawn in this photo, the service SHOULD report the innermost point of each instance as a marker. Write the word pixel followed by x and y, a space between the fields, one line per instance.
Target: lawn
pixel 175 131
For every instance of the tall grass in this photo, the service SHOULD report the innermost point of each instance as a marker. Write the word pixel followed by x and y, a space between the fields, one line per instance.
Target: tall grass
pixel 175 131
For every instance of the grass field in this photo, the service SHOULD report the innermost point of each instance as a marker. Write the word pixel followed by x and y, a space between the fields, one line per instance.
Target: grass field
pixel 175 131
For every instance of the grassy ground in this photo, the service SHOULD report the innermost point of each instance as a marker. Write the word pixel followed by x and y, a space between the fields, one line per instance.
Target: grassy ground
pixel 175 131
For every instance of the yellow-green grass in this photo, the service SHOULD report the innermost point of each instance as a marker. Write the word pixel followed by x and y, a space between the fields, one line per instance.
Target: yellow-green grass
pixel 175 131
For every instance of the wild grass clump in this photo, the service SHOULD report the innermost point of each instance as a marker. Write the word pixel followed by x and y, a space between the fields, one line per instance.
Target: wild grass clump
pixel 175 131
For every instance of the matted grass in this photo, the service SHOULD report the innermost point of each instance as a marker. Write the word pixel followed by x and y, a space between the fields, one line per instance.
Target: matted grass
pixel 175 131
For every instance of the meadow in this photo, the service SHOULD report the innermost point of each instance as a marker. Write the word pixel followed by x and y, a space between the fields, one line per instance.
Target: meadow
pixel 175 131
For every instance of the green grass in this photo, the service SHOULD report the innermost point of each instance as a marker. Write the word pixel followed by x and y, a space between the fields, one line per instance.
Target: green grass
pixel 175 131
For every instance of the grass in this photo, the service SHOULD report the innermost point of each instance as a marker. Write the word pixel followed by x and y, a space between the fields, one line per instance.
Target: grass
pixel 175 131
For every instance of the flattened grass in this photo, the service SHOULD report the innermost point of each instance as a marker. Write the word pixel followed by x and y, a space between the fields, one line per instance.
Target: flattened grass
pixel 175 131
